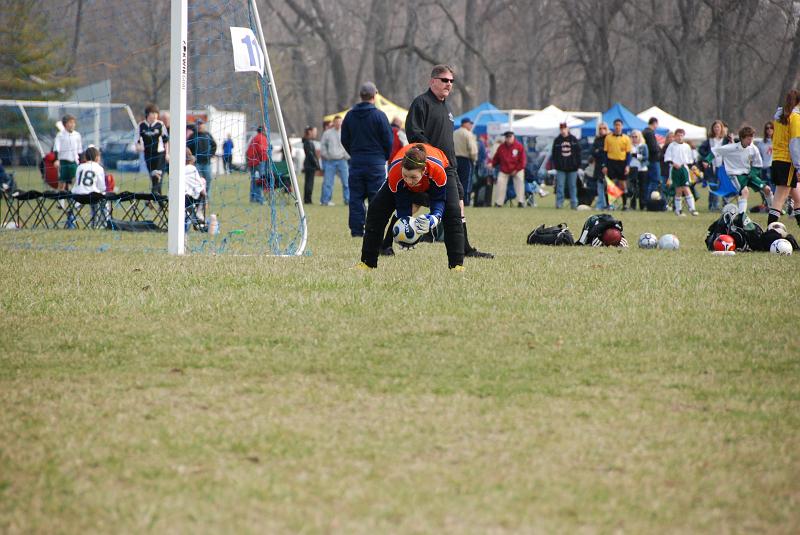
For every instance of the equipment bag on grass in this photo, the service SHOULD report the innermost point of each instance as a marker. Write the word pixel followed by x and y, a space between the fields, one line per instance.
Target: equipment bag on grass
pixel 557 235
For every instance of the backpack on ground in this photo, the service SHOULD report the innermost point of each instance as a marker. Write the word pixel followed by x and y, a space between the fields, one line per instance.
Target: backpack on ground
pixel 557 235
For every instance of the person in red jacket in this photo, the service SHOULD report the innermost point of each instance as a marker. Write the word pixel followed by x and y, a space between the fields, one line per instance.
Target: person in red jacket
pixel 511 159
pixel 257 164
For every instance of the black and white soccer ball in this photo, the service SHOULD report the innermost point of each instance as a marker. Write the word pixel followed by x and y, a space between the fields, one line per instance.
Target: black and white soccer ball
pixel 405 232
pixel 781 247
pixel 648 240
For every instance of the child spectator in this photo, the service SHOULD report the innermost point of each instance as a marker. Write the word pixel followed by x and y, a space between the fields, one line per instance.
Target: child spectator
pixel 91 178
pixel 195 190
pixel 90 175
pixel 639 175
pixel 742 161
pixel 227 154
pixel 67 148
pixel 765 149
pixel 679 157
pixel 154 141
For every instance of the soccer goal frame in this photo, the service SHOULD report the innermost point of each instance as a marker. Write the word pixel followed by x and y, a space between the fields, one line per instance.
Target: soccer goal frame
pixel 178 82
pixel 21 105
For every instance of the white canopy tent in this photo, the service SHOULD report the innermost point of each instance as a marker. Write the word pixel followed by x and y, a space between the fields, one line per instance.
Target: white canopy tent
pixel 542 123
pixel 666 120
pixel 545 123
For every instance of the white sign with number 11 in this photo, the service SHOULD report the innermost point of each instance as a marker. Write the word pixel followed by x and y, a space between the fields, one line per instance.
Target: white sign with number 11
pixel 247 55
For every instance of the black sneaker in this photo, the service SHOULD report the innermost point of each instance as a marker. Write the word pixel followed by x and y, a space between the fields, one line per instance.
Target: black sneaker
pixel 387 252
pixel 474 253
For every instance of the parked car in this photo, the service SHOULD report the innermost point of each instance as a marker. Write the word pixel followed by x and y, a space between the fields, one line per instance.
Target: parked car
pixel 119 146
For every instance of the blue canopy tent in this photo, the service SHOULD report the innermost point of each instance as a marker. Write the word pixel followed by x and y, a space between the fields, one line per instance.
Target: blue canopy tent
pixel 618 111
pixel 481 121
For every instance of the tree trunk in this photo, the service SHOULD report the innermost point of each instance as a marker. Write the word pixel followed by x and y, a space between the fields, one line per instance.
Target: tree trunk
pixel 469 78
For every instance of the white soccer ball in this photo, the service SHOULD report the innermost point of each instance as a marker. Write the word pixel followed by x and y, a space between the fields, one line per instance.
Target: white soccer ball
pixel 11 226
pixel 648 240
pixel 669 242
pixel 404 231
pixel 655 196
pixel 781 247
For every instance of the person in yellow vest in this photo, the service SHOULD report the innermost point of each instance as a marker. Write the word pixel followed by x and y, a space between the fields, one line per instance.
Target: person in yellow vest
pixel 617 147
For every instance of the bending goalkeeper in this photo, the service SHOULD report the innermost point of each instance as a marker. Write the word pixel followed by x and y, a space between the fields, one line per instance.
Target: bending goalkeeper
pixel 416 177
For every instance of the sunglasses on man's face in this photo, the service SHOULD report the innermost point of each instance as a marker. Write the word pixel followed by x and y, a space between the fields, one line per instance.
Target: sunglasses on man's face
pixel 447 80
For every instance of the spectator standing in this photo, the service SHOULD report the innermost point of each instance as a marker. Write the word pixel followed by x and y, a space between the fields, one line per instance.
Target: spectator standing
pixel 662 164
pixel 310 163
pixel 335 157
pixel 67 148
pixel 399 138
pixel 367 137
pixel 653 158
pixel 430 121
pixel 640 159
pixel 203 147
pixel 227 154
pixel 466 148
pixel 599 158
pixel 510 159
pixel 483 188
pixel 257 156
pixel 765 149
pixel 566 158
pixel 617 147
pixel 716 137
pixel 154 142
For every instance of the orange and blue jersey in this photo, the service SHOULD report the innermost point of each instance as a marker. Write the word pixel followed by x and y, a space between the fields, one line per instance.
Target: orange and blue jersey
pixel 434 180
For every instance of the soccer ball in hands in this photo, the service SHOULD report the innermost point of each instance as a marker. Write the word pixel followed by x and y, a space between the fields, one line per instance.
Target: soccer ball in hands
pixel 724 242
pixel 669 242
pixel 781 247
pixel 648 240
pixel 404 231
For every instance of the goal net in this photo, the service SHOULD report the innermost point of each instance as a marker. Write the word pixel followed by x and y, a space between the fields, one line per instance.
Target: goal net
pixel 241 194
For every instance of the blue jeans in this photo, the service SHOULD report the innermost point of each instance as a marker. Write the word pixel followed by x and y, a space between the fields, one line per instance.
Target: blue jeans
pixel 257 190
pixel 654 174
pixel 332 167
pixel 205 171
pixel 364 184
pixel 571 180
pixel 601 194
pixel 464 168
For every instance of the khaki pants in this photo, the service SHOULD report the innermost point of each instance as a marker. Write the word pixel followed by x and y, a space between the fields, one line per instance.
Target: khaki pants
pixel 502 186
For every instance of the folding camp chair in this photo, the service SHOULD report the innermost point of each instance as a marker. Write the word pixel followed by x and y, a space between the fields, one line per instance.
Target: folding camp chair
pixel 55 205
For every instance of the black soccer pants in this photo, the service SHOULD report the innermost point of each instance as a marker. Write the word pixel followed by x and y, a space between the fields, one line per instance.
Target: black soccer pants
pixel 380 211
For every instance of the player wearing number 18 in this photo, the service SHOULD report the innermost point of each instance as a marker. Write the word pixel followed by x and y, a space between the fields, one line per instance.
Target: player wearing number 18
pixel 415 171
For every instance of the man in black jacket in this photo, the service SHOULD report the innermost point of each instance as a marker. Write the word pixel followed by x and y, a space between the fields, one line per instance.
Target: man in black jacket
pixel 310 162
pixel 203 147
pixel 598 157
pixel 566 158
pixel 367 137
pixel 654 156
pixel 430 121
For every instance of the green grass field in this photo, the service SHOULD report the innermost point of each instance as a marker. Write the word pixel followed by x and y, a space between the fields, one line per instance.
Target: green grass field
pixel 549 390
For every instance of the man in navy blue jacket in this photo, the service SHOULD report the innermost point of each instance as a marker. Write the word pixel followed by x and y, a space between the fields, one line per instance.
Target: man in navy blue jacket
pixel 367 137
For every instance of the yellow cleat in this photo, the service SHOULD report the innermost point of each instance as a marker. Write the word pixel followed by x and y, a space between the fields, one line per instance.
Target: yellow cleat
pixel 363 267
pixel 458 269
